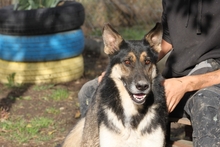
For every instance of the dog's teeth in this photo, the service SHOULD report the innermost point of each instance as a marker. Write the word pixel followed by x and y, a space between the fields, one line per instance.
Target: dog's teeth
pixel 139 97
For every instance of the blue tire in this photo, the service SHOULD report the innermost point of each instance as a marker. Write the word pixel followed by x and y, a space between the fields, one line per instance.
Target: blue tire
pixel 41 47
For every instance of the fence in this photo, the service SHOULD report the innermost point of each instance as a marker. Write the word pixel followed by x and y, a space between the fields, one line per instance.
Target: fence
pixel 5 3
pixel 121 12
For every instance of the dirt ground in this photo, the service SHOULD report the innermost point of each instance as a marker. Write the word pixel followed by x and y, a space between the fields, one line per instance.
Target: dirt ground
pixel 13 103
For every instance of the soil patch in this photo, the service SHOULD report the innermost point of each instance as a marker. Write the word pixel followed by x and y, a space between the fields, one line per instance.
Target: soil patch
pixel 31 101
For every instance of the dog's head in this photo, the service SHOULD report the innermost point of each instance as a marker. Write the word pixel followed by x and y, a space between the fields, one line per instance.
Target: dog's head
pixel 133 63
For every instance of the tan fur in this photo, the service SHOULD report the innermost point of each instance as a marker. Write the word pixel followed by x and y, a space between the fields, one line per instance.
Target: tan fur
pixel 143 57
pixel 75 136
pixel 123 69
pixel 85 133
pixel 90 136
pixel 114 41
pixel 154 37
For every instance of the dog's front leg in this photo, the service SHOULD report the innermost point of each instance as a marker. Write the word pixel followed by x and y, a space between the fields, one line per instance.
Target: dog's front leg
pixel 90 136
pixel 74 138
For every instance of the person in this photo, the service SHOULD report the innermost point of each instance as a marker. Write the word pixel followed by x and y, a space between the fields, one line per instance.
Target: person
pixel 191 32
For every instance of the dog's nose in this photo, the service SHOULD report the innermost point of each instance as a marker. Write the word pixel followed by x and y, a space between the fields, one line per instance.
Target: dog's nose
pixel 142 85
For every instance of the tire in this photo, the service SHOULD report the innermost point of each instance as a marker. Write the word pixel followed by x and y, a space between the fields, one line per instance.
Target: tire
pixel 43 72
pixel 69 16
pixel 41 47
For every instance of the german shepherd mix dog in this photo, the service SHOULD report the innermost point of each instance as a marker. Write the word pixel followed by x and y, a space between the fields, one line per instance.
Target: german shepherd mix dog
pixel 129 107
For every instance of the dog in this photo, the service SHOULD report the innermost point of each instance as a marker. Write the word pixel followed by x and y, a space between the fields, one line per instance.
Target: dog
pixel 129 106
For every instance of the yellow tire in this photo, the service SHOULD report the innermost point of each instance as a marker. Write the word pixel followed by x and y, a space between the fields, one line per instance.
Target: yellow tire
pixel 43 72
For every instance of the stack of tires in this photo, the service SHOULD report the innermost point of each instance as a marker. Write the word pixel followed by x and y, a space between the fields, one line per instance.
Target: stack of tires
pixel 42 45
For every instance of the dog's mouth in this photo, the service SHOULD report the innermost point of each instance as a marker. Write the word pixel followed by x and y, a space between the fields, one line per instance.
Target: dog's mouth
pixel 139 98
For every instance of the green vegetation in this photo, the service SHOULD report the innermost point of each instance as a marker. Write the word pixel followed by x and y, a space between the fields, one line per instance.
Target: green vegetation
pixel 11 80
pixel 34 4
pixel 59 94
pixel 134 32
pixel 36 129
pixel 21 130
pixel 52 110
pixel 43 87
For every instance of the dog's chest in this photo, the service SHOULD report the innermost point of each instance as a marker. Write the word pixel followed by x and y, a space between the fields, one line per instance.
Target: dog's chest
pixel 131 138
pixel 117 134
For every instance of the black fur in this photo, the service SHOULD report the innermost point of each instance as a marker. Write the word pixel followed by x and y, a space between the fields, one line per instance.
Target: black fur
pixel 110 95
pixel 131 80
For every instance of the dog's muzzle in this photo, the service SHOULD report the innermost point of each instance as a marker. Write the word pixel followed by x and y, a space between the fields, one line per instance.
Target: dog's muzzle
pixel 139 92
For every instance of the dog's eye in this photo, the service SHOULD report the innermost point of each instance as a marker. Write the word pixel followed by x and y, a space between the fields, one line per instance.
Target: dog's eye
pixel 127 62
pixel 147 62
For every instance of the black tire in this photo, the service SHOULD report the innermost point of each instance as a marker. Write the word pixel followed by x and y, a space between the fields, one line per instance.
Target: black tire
pixel 69 16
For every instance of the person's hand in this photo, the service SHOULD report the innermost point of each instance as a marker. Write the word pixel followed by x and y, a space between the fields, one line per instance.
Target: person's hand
pixel 101 76
pixel 174 91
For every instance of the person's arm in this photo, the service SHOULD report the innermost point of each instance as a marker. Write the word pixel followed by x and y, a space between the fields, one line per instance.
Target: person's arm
pixel 175 88
pixel 196 82
pixel 101 76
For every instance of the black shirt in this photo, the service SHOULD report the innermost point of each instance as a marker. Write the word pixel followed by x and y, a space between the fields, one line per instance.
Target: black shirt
pixel 193 29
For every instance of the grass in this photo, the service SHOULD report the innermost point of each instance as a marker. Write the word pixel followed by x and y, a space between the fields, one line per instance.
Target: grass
pixel 11 81
pixel 43 87
pixel 59 94
pixel 25 98
pixel 22 131
pixel 52 110
pixel 27 129
pixel 134 32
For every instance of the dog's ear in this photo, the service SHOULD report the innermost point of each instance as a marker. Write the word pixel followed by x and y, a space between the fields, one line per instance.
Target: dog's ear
pixel 154 37
pixel 112 40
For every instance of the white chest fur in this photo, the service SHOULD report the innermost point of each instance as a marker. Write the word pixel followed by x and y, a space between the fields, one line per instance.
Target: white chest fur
pixel 128 137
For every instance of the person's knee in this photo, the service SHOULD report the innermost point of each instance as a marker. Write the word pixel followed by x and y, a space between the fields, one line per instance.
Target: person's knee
pixel 87 89
pixel 203 108
pixel 208 98
pixel 85 95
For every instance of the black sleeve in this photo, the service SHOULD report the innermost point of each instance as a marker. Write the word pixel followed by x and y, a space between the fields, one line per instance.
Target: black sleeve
pixel 166 34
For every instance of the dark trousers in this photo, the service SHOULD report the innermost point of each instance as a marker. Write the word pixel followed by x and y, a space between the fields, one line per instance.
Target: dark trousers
pixel 202 107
